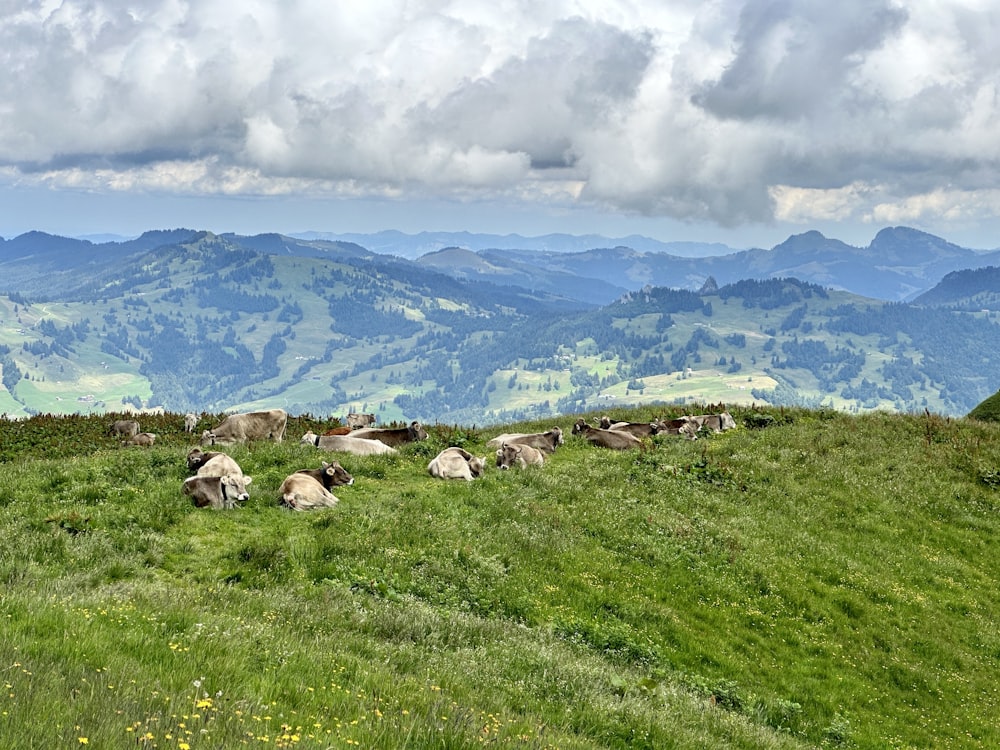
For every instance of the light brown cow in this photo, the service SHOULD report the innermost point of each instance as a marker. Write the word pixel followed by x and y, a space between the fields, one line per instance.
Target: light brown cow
pixel 686 426
pixel 347 444
pixel 255 425
pixel 309 489
pixel 196 458
pixel 219 493
pixel 612 439
pixel 393 436
pixel 639 429
pixel 124 428
pixel 356 421
pixel 456 463
pixel 510 455
pixel 546 441
pixel 219 466
pixel 145 439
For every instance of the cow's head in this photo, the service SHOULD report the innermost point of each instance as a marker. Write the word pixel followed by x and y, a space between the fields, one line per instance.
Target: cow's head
pixel 416 431
pixel 477 466
pixel 508 455
pixel 234 489
pixel 335 475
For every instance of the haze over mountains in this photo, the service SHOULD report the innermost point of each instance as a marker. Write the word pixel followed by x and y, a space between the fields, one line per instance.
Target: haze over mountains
pixel 184 319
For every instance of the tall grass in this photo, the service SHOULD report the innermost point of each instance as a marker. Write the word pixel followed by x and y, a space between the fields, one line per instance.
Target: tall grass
pixel 809 579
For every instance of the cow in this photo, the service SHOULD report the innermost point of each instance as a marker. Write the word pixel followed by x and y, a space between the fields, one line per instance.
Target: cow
pixel 145 439
pixel 190 421
pixel 196 458
pixel 219 466
pixel 456 463
pixel 686 426
pixel 546 441
pixel 255 425
pixel 512 454
pixel 308 489
pixel 613 439
pixel 347 444
pixel 338 431
pixel 715 422
pixel 356 421
pixel 219 493
pixel 639 429
pixel 124 427
pixel 330 474
pixel 393 436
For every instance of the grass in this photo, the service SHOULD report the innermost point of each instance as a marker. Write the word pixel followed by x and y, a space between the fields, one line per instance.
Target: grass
pixel 809 579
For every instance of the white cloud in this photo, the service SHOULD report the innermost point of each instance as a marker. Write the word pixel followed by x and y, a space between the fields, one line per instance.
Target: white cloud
pixel 723 111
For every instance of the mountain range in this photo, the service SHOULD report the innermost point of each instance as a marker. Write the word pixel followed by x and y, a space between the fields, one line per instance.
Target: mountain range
pixel 190 320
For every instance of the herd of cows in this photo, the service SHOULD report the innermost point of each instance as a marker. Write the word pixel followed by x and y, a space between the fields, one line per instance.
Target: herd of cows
pixel 218 482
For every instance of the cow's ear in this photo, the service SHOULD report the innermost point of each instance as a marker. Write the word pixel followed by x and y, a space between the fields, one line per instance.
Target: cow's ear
pixel 325 465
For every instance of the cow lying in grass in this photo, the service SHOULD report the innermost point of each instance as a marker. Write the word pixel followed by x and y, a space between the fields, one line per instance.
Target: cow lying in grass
pixel 218 493
pixel 510 455
pixel 456 463
pixel 309 489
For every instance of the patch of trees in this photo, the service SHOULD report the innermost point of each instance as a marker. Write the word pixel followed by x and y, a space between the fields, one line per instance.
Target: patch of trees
pixel 769 294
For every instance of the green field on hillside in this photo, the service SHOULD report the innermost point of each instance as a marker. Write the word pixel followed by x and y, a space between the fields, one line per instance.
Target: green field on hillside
pixel 809 579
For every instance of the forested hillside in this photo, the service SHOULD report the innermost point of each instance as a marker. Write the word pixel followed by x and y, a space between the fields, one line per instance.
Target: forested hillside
pixel 209 324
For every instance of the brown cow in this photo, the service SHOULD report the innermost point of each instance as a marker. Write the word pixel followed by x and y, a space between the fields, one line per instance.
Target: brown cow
pixel 546 441
pixel 145 439
pixel 255 425
pixel 605 438
pixel 512 454
pixel 308 489
pixel 338 431
pixel 393 436
pixel 456 463
pixel 219 493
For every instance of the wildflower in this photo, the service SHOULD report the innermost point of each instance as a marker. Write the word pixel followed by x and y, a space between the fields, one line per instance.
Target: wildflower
pixel 82 740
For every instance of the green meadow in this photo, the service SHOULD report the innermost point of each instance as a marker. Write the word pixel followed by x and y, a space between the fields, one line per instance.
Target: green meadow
pixel 809 579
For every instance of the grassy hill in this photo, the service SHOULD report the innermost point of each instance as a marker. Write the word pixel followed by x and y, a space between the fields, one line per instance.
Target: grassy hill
pixel 809 579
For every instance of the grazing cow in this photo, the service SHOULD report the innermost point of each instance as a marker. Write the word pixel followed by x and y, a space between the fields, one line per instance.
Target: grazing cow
pixel 456 463
pixel 512 454
pixel 613 439
pixel 190 421
pixel 639 429
pixel 356 421
pixel 308 489
pixel 393 436
pixel 124 428
pixel 219 493
pixel 145 439
pixel 347 444
pixel 255 425
pixel 546 441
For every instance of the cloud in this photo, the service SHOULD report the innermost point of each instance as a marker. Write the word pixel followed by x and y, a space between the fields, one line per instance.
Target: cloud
pixel 729 112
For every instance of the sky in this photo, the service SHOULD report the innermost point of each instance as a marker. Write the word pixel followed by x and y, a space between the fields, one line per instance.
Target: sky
pixel 740 122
